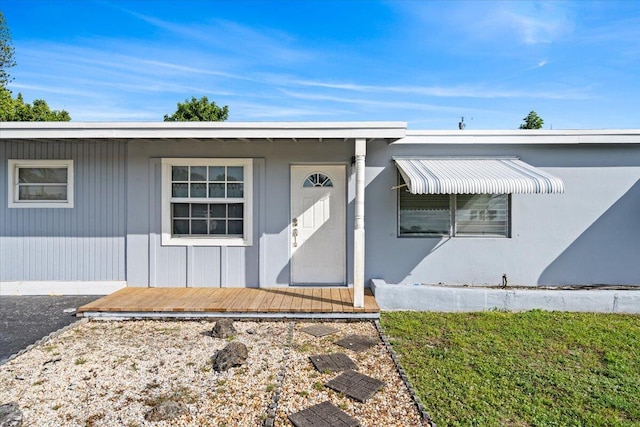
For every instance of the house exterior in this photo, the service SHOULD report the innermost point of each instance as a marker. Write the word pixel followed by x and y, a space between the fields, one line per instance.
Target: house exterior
pixel 89 208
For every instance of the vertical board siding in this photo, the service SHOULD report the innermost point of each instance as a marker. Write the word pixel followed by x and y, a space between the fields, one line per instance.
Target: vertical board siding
pixel 85 243
pixel 193 266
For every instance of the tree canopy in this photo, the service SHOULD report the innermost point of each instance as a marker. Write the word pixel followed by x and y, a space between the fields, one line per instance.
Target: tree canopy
pixel 532 121
pixel 198 110
pixel 16 110
pixel 6 52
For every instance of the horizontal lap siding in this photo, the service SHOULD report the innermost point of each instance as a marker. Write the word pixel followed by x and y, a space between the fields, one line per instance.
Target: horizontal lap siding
pixel 85 243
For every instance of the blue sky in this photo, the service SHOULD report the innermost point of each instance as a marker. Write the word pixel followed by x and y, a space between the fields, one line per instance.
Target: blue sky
pixel 577 64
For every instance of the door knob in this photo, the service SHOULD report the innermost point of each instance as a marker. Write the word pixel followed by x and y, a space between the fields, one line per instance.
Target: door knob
pixel 294 222
pixel 295 235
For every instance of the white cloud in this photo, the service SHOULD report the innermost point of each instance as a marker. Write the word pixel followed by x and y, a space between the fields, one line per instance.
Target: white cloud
pixel 459 91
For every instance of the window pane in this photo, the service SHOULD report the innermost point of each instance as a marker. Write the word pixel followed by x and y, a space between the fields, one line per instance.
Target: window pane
pixel 218 211
pixel 198 227
pixel 217 226
pixel 181 226
pixel 482 214
pixel 42 175
pixel 180 210
pixel 179 190
pixel 424 214
pixel 199 210
pixel 216 190
pixel 179 173
pixel 42 192
pixel 235 190
pixel 235 227
pixel 235 173
pixel 216 173
pixel 198 173
pixel 198 190
pixel 236 210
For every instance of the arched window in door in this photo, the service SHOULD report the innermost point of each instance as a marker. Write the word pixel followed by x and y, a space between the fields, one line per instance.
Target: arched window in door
pixel 317 179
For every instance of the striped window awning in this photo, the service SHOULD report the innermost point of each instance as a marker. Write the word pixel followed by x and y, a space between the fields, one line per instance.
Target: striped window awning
pixel 424 175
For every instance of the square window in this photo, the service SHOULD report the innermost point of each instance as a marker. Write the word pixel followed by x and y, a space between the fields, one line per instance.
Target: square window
pixel 205 202
pixel 216 173
pixel 234 173
pixel 181 210
pixel 198 227
pixel 198 173
pixel 198 190
pixel 235 227
pixel 199 210
pixel 234 191
pixel 216 191
pixel 181 226
pixel 180 173
pixel 236 210
pixel 218 226
pixel 218 211
pixel 40 183
pixel 180 190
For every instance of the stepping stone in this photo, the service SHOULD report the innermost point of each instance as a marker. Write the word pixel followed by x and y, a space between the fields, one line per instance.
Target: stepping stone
pixel 319 330
pixel 335 362
pixel 324 414
pixel 357 342
pixel 355 385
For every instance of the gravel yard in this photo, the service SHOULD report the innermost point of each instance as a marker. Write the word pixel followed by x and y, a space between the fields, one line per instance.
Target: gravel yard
pixel 112 373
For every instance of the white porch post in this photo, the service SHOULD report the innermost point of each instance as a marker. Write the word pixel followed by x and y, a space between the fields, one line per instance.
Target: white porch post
pixel 358 232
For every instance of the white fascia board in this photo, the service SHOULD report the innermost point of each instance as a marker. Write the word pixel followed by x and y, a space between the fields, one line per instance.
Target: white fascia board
pixel 498 137
pixel 203 130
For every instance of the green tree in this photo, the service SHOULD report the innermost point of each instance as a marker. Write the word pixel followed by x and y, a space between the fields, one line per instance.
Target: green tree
pixel 6 52
pixel 16 110
pixel 532 121
pixel 198 110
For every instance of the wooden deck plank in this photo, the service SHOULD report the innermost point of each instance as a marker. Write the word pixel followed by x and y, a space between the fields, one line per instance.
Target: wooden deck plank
pixel 297 301
pixel 223 297
pixel 241 303
pixel 250 300
pixel 267 302
pixel 230 299
pixel 255 305
pixel 336 304
pixel 326 300
pixel 370 303
pixel 276 303
pixel 233 300
pixel 316 303
pixel 130 302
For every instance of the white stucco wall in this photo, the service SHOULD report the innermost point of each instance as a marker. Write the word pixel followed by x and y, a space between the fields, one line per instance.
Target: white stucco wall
pixel 588 235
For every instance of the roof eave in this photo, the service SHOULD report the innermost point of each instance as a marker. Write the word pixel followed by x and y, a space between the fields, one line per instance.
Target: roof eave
pixel 518 136
pixel 389 131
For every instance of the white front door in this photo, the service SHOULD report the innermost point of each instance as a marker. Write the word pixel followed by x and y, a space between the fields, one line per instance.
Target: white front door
pixel 318 225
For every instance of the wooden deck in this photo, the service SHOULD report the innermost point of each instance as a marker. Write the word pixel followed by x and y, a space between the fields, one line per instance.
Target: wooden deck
pixel 231 302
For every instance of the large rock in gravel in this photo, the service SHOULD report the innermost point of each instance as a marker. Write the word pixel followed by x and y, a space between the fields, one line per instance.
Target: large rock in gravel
pixel 10 415
pixel 223 329
pixel 167 410
pixel 234 354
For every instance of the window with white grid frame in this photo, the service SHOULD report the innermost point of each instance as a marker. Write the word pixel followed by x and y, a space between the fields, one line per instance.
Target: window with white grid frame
pixel 208 202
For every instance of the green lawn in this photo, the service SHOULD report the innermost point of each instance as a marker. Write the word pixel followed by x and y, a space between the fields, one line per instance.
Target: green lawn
pixel 521 369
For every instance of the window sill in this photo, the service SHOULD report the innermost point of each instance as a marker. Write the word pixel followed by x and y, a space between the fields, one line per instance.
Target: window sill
pixel 168 240
pixel 40 205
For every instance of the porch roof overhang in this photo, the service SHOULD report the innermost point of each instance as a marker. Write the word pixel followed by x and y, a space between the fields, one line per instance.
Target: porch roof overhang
pixel 423 175
pixel 217 131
